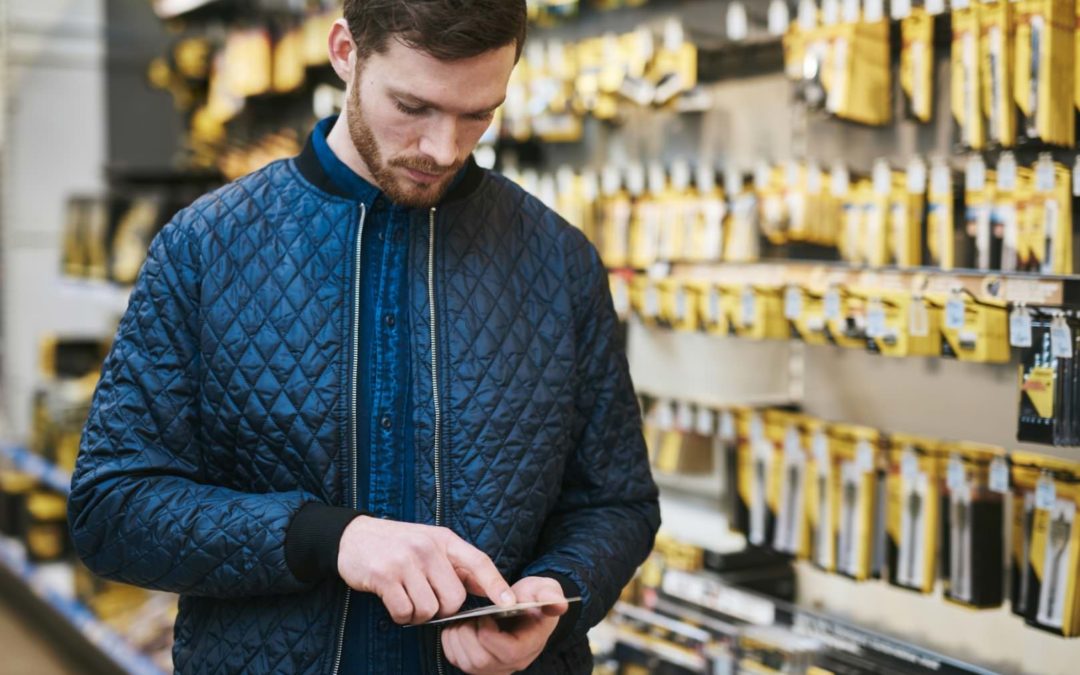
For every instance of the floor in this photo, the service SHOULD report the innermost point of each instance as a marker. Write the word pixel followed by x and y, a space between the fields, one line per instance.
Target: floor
pixel 25 649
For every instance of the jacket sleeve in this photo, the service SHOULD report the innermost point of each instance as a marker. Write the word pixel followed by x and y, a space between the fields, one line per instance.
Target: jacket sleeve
pixel 607 514
pixel 142 508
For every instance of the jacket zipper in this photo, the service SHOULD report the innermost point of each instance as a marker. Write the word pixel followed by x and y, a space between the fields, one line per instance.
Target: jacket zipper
pixel 435 400
pixel 352 435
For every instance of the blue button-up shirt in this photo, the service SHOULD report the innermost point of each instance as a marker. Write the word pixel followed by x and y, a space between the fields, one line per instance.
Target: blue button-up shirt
pixel 385 461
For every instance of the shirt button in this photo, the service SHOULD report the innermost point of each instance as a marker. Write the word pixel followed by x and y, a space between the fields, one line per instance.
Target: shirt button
pixel 386 422
pixel 390 320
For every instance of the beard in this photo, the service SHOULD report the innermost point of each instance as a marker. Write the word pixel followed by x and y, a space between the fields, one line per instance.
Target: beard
pixel 399 188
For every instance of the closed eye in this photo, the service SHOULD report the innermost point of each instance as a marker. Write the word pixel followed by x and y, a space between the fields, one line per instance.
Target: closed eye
pixel 415 112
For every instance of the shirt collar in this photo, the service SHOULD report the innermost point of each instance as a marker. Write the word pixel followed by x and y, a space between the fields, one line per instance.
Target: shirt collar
pixel 345 179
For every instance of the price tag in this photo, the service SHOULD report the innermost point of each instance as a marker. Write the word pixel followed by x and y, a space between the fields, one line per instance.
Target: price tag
pixel 779 17
pixel 821 449
pixel 873 11
pixel 999 475
pixel 665 415
pixel 761 176
pixel 840 181
pixel 727 425
pixel 954 312
pixel 955 476
pixel 901 9
pixel 1045 494
pixel 851 11
pixel 620 295
pixel 737 22
pixel 705 422
pixel 610 180
pixel 757 428
pixel 875 319
pixel 882 177
pixel 792 441
pixel 714 304
pixel 733 182
pixel 934 7
pixel 916 177
pixel 793 304
pixel 830 12
pixel 909 465
pixel 749 306
pixel 1020 328
pixel 975 175
pixel 832 305
pixel 961 4
pixel 1044 175
pixel 864 456
pixel 1076 178
pixel 1061 345
pixel 807 14
pixel 684 416
pixel 652 302
pixel 1006 172
pixel 941 179
pixel 918 318
pixel 813 179
pixel 680 303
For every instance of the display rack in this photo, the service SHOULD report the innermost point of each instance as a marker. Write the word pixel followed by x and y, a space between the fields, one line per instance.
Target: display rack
pixel 32 582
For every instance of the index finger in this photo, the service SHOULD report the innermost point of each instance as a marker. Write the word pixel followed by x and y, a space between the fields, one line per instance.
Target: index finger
pixel 478 573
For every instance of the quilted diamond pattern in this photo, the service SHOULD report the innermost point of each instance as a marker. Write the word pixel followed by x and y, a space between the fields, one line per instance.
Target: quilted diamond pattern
pixel 223 409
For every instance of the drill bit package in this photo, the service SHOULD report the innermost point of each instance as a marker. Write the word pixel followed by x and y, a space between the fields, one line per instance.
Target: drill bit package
pixel 645 299
pixel 804 309
pixel 686 446
pixel 1005 214
pixel 792 534
pixel 979 188
pixel 1050 215
pixel 912 513
pixel 1026 471
pixel 645 227
pixel 713 309
pixel 974 328
pixel 917 64
pixel 1045 78
pixel 705 240
pixel 822 498
pixel 1039 383
pixel 759 312
pixel 907 216
pixel 899 324
pixel 998 32
pixel 973 524
pixel 855 455
pixel 1052 583
pixel 944 211
pixel 758 466
pixel 845 317
pixel 743 232
pixel 966 95
pixel 678 304
pixel 858 76
pixel 616 210
pixel 877 210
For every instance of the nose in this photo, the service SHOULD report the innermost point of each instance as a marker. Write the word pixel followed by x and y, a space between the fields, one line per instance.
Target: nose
pixel 440 141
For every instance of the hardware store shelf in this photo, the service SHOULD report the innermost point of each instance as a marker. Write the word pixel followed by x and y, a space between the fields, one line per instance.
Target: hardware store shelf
pixel 108 296
pixel 27 462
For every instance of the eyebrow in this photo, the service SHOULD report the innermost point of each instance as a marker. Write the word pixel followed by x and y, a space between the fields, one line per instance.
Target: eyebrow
pixel 417 101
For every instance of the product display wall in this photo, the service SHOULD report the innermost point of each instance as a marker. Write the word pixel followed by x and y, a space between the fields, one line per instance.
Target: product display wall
pixel 836 232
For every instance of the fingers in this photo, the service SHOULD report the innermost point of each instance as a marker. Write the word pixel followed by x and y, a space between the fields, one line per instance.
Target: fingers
pixel 449 590
pixel 455 653
pixel 542 589
pixel 481 659
pixel 397 603
pixel 424 603
pixel 478 572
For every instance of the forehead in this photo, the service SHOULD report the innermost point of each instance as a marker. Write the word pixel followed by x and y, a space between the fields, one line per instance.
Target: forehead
pixel 461 85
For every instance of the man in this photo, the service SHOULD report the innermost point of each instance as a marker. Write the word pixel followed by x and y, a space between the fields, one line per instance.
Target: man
pixel 356 385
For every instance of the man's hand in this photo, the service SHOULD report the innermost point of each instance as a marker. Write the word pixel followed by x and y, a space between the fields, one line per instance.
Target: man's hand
pixel 482 647
pixel 418 571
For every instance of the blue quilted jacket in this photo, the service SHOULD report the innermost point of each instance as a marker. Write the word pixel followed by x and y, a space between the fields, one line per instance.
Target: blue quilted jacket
pixel 218 457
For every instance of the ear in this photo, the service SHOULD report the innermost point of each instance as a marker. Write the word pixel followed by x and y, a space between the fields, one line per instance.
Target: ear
pixel 342 50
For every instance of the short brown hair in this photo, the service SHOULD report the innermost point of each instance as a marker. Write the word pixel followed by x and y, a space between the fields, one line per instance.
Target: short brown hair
pixel 449 30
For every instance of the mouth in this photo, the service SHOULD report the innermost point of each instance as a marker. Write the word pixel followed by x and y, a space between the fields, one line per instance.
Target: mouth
pixel 423 177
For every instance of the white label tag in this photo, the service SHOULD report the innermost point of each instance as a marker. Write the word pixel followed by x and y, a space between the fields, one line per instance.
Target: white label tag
pixel 975 176
pixel 882 177
pixel 779 17
pixel 761 176
pixel 665 416
pixel 713 309
pixel 851 11
pixel 757 428
pixel 916 177
pixel 1006 172
pixel 955 476
pixel 954 312
pixel 737 22
pixel 1020 328
pixel 749 307
pixel 793 304
pixel 813 179
pixel 620 295
pixel 1076 178
pixel 941 179
pixel 961 4
pixel 733 182
pixel 999 475
pixel 821 450
pixel 1045 494
pixel 918 318
pixel 727 425
pixel 705 424
pixel 864 456
pixel 1061 339
pixel 840 181
pixel 901 9
pixel 875 319
pixel 680 303
pixel 873 11
pixel 652 302
pixel 830 12
pixel 832 305
pixel 684 417
pixel 909 465
pixel 792 441
pixel 935 7
pixel 1044 176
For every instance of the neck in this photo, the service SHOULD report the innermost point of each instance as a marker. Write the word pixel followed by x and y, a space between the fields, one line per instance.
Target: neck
pixel 341 144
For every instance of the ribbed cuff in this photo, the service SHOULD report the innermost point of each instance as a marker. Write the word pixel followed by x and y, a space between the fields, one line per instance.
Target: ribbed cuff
pixel 313 538
pixel 569 620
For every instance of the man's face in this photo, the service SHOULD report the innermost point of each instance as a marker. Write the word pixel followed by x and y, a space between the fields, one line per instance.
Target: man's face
pixel 415 119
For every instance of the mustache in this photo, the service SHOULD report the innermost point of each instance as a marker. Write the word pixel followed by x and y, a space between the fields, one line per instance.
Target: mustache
pixel 424 165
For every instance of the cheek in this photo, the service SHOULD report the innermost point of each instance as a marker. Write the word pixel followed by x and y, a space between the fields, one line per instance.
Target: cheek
pixel 393 131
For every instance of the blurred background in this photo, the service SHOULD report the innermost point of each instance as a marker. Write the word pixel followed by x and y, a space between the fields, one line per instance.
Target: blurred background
pixel 836 231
